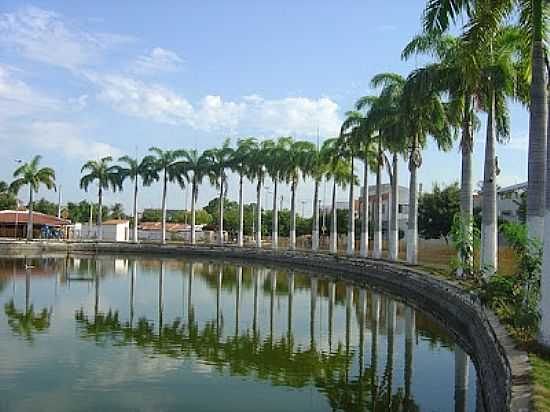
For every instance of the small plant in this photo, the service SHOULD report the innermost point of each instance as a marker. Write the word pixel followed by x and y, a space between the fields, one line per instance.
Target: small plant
pixel 465 237
pixel 515 298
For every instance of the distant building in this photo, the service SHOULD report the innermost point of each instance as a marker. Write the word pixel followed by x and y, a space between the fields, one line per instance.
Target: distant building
pixel 114 230
pixel 13 223
pixel 509 200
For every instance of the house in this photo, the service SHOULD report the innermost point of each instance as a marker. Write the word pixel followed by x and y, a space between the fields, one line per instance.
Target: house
pixel 114 230
pixel 402 207
pixel 176 231
pixel 13 223
pixel 509 201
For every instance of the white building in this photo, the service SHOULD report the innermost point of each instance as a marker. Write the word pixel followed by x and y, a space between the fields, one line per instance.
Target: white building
pixel 113 231
pixel 509 199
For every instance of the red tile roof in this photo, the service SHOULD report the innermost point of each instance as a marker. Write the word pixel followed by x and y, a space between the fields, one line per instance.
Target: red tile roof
pixel 116 222
pixel 22 216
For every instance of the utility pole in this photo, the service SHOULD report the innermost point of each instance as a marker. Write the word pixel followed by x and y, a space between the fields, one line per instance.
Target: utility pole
pixel 59 204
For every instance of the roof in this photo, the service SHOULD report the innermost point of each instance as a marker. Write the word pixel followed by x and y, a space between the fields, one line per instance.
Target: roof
pixel 513 188
pixel 116 222
pixel 22 216
pixel 170 227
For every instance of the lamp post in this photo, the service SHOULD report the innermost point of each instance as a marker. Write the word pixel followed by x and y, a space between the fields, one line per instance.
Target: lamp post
pixel 19 161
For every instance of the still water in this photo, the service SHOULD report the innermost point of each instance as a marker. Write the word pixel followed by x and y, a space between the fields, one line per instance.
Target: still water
pixel 150 334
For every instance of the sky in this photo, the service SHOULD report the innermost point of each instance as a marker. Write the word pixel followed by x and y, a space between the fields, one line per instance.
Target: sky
pixel 83 80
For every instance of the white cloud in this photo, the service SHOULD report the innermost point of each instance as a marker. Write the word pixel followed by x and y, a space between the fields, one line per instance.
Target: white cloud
pixel 158 60
pixel 520 143
pixel 299 116
pixel 59 137
pixel 44 36
pixel 18 99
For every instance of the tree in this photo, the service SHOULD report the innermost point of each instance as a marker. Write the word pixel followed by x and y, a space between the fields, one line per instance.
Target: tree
pixel 240 163
pixel 198 165
pixel 220 160
pixel 117 212
pixel 152 215
pixel 436 211
pixel 45 206
pixel 134 169
pixel 7 201
pixel 164 162
pixel 277 168
pixel 32 175
pixel 422 114
pixel 107 176
pixel 339 170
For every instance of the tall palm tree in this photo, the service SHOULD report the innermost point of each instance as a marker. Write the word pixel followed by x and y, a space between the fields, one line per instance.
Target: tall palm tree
pixel 256 160
pixel 277 162
pixel 34 176
pixel 134 169
pixel 423 114
pixel 165 163
pixel 107 176
pixel 199 166
pixel 240 165
pixel 317 171
pixel 220 159
pixel 338 169
pixel 383 116
pixel 299 161
pixel 484 18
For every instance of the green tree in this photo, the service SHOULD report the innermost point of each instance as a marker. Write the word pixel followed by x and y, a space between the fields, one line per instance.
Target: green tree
pixel 106 176
pixel 34 176
pixel 134 170
pixel 152 215
pixel 240 164
pixel 220 159
pixel 45 206
pixel 436 211
pixel 198 165
pixel 165 163
pixel 117 211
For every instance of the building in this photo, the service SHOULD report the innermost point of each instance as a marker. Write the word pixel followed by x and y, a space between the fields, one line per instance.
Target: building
pixel 177 231
pixel 509 200
pixel 13 223
pixel 114 230
pixel 402 207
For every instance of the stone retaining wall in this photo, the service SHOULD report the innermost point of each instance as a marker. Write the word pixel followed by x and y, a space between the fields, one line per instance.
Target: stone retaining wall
pixel 503 371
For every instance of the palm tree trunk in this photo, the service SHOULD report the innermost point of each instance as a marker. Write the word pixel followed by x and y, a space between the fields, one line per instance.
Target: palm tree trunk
pixel 538 118
pixel 315 228
pixel 292 241
pixel 135 210
pixel 275 217
pixel 412 227
pixel 220 240
pixel 489 208
pixel 163 224
pixel 194 190
pixel 334 223
pixel 351 213
pixel 377 249
pixel 544 310
pixel 29 222
pixel 466 190
pixel 240 237
pixel 394 227
pixel 100 214
pixel 364 248
pixel 259 213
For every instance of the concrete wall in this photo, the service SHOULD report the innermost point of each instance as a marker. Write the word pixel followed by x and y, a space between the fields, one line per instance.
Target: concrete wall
pixel 502 370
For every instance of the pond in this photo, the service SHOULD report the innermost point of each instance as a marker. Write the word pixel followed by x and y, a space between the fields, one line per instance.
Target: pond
pixel 141 334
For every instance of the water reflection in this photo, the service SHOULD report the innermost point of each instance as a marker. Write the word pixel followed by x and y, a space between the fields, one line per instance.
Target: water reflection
pixel 355 347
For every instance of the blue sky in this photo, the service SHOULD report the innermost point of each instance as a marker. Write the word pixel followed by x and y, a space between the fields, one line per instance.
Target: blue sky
pixel 80 80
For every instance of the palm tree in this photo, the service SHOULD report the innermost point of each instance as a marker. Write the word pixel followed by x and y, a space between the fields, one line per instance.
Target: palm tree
pixel 34 176
pixel 277 168
pixel 317 171
pixel 338 169
pixel 423 114
pixel 117 211
pixel 107 176
pixel 256 160
pixel 383 116
pixel 199 165
pixel 484 20
pixel 165 162
pixel 353 134
pixel 134 169
pixel 220 159
pixel 299 161
pixel 240 165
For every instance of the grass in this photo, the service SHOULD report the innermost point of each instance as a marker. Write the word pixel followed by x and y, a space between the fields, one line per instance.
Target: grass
pixel 540 374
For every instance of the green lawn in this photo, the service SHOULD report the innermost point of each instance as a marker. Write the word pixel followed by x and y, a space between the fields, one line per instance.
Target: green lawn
pixel 541 380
